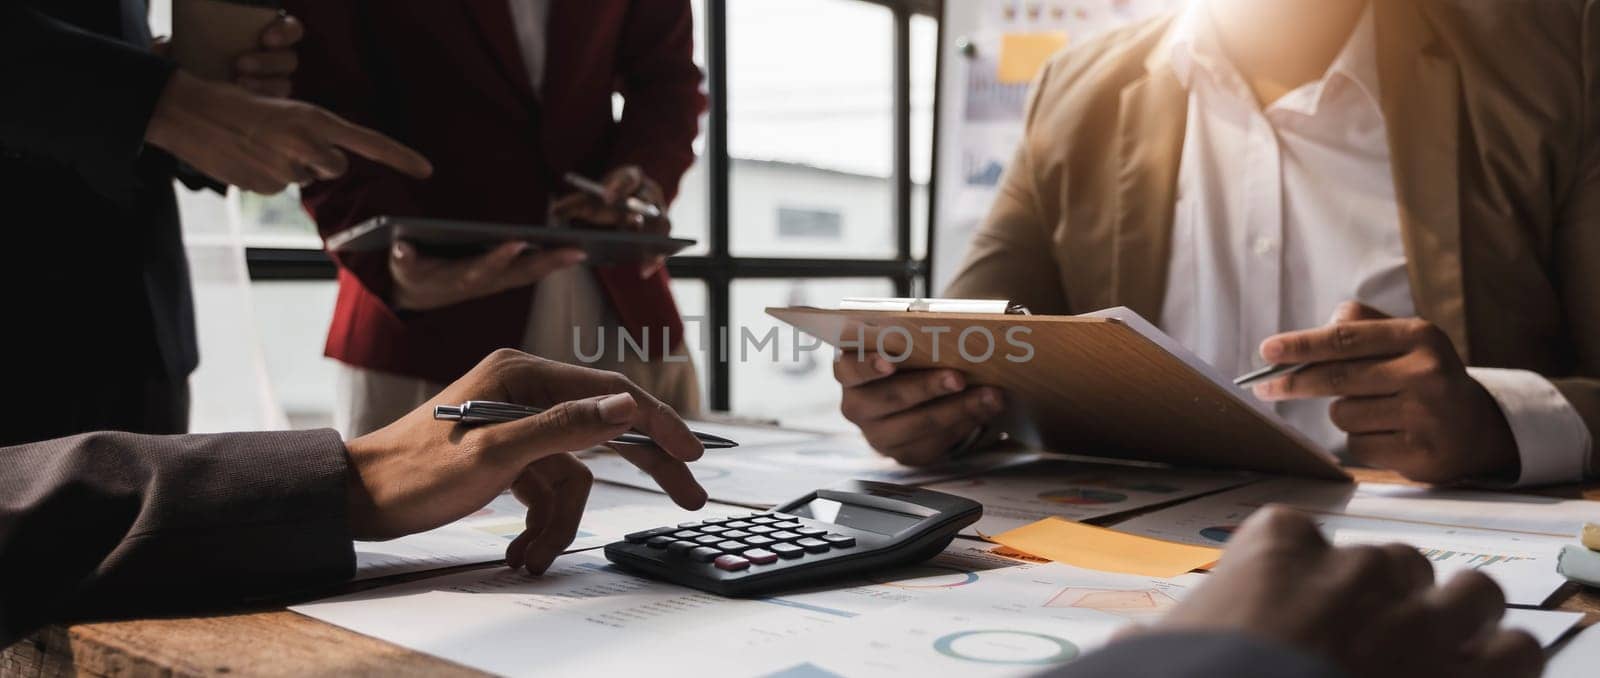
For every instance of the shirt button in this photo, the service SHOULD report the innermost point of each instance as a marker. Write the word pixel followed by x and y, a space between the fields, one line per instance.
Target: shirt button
pixel 1264 246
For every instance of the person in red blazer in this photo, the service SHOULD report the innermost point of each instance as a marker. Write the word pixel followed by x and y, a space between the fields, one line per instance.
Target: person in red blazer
pixel 505 97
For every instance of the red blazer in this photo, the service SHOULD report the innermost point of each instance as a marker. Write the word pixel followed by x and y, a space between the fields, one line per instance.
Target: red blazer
pixel 446 77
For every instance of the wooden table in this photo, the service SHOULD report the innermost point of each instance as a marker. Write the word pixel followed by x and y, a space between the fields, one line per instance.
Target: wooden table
pixel 281 643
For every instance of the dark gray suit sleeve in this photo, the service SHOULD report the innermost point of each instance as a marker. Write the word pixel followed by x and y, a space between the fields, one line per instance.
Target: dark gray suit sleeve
pixel 116 524
pixel 81 99
pixel 1198 655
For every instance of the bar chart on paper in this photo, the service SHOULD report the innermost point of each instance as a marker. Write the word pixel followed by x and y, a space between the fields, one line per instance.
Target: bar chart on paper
pixel 1521 561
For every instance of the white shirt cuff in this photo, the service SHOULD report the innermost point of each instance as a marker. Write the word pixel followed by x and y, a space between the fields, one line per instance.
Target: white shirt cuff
pixel 1552 440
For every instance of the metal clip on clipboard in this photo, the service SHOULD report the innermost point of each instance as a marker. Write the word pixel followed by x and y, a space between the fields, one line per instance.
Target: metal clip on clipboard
pixel 920 305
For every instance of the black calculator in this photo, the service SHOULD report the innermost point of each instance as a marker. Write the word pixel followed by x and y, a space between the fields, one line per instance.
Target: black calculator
pixel 850 529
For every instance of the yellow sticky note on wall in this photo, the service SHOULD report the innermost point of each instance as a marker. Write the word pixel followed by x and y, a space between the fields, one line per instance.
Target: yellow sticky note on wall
pixel 1097 548
pixel 1022 55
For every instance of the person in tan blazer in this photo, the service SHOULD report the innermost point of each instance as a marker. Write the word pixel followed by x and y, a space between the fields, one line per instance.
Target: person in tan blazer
pixel 1235 170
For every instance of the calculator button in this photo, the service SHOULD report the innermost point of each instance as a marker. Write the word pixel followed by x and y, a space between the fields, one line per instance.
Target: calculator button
pixel 813 545
pixel 732 546
pixel 687 534
pixel 782 516
pixel 763 520
pixel 659 542
pixel 758 540
pixel 740 524
pixel 690 526
pixel 839 540
pixel 785 536
pixel 704 554
pixel 641 537
pixel 731 563
pixel 708 540
pixel 787 525
pixel 681 547
pixel 735 534
pixel 811 531
pixel 762 529
pixel 761 556
pixel 713 529
pixel 787 550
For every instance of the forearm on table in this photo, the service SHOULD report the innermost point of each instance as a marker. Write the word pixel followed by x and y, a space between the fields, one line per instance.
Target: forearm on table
pixel 115 524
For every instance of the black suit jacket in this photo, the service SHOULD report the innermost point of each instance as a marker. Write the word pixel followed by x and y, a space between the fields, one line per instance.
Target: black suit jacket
pixel 116 524
pixel 92 271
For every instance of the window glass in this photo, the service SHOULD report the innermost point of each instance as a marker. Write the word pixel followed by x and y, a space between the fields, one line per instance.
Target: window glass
pixel 761 371
pixel 292 323
pixel 924 74
pixel 810 127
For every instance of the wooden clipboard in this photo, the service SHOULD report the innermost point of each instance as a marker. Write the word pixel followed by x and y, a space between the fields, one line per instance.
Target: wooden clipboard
pixel 1093 386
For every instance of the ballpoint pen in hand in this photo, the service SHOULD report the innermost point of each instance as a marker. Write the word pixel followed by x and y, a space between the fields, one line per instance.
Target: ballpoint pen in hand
pixel 491 412
pixel 1268 372
pixel 594 188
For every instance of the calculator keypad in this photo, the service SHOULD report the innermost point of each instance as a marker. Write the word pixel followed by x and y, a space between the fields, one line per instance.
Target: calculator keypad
pixel 735 544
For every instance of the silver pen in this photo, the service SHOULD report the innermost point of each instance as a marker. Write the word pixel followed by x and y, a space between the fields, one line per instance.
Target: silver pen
pixel 1268 372
pixel 594 188
pixel 491 412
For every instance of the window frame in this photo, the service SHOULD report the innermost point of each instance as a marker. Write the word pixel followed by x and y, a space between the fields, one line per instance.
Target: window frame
pixel 718 268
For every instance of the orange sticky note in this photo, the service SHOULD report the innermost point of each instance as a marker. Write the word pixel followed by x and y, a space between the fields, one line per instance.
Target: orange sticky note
pixel 1022 55
pixel 1097 548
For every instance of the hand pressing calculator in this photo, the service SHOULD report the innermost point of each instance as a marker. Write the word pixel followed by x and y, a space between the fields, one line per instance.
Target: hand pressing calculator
pixel 850 529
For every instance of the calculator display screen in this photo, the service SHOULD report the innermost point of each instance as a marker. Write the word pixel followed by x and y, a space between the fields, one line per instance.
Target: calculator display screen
pixel 859 517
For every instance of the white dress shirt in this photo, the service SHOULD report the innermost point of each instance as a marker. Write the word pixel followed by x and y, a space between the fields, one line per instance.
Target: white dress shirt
pixel 529 19
pixel 1284 212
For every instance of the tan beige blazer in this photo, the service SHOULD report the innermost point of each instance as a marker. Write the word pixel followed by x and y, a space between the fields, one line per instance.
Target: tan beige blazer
pixel 1494 128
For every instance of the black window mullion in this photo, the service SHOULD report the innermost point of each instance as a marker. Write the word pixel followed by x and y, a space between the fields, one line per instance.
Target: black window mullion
pixel 718 280
pixel 902 146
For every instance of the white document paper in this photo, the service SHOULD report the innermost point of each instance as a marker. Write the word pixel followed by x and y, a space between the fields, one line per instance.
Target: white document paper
pixel 1011 623
pixel 768 475
pixel 483 536
pixel 1078 491
pixel 754 437
pixel 586 618
pixel 1522 562
pixel 1546 626
pixel 1578 658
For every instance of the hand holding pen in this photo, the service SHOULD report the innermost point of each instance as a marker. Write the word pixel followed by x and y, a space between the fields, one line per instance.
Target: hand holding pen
pixel 626 197
pixel 494 412
pixel 418 473
pixel 1401 392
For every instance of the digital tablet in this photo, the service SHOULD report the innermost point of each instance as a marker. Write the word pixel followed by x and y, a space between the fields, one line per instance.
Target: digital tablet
pixel 450 238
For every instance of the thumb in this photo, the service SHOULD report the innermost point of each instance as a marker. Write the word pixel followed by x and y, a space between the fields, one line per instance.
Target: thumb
pixel 568 427
pixel 1351 311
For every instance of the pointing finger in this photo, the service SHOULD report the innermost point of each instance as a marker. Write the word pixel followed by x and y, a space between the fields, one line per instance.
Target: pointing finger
pixel 375 147
pixel 672 475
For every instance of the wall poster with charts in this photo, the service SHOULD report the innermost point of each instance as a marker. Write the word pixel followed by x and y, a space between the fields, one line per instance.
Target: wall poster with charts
pixel 990 52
